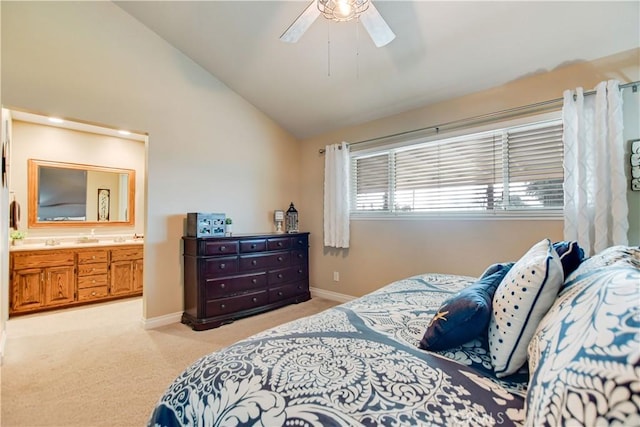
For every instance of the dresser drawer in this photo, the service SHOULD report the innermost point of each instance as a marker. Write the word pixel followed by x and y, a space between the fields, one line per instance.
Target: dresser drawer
pixel 232 304
pixel 277 243
pixel 258 245
pixel 92 256
pixel 300 242
pixel 263 261
pixel 91 281
pixel 218 288
pixel 217 267
pixel 219 248
pixel 287 291
pixel 299 256
pixel 96 292
pixel 290 274
pixel 95 268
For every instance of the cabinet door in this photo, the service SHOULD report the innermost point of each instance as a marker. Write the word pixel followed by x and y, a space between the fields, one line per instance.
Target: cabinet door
pixel 26 289
pixel 121 277
pixel 59 285
pixel 137 275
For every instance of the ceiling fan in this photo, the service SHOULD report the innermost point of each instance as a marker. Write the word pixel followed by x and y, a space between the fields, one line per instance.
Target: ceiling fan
pixel 342 10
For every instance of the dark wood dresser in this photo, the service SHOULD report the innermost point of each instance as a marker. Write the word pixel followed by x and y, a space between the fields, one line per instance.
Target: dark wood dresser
pixel 226 278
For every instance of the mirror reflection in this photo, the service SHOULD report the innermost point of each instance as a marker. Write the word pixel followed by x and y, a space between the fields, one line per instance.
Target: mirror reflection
pixel 68 194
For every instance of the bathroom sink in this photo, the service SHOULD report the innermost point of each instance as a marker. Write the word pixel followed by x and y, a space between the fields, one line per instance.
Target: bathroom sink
pixel 87 240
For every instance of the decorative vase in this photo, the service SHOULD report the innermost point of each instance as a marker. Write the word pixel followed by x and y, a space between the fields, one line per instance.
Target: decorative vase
pixel 228 230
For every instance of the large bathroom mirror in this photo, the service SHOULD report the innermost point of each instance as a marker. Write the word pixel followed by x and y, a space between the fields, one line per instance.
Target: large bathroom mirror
pixel 69 194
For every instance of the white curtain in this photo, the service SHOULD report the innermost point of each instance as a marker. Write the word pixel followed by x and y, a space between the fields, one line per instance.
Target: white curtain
pixel 336 195
pixel 595 199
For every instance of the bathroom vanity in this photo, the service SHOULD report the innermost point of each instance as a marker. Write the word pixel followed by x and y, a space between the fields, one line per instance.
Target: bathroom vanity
pixel 44 277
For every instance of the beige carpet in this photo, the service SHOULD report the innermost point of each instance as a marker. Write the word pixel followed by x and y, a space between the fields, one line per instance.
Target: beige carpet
pixel 96 366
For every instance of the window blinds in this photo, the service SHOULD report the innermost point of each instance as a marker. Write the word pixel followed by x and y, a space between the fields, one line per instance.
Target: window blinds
pixel 518 168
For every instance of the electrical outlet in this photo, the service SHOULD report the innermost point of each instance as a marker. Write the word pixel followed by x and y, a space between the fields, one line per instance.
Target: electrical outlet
pixel 336 276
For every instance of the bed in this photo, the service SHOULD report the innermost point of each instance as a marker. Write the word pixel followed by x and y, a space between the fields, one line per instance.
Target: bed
pixel 360 363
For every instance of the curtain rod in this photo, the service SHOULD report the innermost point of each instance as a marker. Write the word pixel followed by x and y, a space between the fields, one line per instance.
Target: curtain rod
pixel 484 117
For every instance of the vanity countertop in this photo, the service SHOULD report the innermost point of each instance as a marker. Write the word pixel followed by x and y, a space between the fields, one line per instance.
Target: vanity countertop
pixel 27 246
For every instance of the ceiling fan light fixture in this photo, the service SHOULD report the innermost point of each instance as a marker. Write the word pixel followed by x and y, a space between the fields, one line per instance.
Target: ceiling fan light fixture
pixel 342 10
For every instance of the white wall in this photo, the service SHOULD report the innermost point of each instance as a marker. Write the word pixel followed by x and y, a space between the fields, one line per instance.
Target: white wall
pixel 209 150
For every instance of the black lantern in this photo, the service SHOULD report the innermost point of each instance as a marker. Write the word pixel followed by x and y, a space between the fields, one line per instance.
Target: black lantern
pixel 292 219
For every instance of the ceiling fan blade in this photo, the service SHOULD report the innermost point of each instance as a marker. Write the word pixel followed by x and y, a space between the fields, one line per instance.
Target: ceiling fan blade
pixel 376 26
pixel 301 24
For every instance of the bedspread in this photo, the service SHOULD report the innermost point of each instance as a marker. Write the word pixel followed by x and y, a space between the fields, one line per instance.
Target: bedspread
pixel 354 364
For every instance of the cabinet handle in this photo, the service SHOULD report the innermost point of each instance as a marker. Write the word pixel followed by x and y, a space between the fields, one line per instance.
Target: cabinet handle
pixel 222 306
pixel 93 294
pixel 223 248
pixel 222 285
pixel 254 299
pixel 280 258
pixel 222 266
pixel 279 243
pixel 254 281
pixel 300 242
pixel 254 262
pixel 279 275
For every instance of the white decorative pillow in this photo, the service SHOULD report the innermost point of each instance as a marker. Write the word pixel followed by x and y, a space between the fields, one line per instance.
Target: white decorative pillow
pixel 521 300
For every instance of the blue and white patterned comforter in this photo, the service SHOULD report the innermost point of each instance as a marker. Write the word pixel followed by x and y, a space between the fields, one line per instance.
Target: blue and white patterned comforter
pixel 355 364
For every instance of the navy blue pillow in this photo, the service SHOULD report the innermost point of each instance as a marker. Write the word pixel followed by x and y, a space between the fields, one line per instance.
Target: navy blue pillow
pixel 571 255
pixel 466 315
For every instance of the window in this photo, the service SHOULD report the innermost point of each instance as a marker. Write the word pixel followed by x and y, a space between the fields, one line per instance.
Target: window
pixel 511 170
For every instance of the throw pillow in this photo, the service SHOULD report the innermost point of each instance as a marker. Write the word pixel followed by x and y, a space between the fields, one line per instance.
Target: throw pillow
pixel 521 300
pixel 571 255
pixel 584 358
pixel 464 316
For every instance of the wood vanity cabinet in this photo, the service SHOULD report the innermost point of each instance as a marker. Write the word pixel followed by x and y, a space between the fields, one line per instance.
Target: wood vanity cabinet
pixel 126 271
pixel 42 280
pixel 226 278
pixel 55 278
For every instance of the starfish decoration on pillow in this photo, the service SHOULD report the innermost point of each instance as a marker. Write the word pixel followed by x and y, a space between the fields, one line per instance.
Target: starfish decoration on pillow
pixel 439 315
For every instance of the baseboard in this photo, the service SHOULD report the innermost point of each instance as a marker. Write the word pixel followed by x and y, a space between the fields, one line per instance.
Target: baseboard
pixel 156 322
pixel 333 296
pixel 169 319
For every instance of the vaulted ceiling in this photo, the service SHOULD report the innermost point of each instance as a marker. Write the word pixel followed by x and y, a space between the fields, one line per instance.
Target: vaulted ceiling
pixel 335 76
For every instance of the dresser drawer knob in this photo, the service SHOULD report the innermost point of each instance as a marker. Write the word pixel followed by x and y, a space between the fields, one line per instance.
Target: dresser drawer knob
pixel 223 248
pixel 299 271
pixel 93 294
pixel 300 242
pixel 222 306
pixel 93 281
pixel 254 281
pixel 279 243
pixel 254 299
pixel 279 275
pixel 300 256
pixel 222 285
pixel 280 293
pixel 254 262
pixel 93 257
pixel 280 259
pixel 253 246
pixel 222 266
